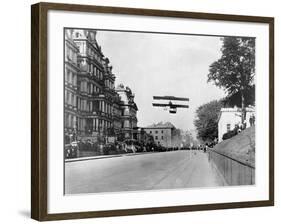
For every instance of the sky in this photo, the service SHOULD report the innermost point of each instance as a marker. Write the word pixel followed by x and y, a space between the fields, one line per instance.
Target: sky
pixel 161 65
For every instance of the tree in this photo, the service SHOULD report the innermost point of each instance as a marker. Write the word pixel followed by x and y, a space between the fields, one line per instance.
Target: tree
pixel 234 71
pixel 206 120
pixel 235 99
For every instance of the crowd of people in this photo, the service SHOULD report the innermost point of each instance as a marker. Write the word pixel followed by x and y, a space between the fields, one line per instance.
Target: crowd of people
pixel 88 148
pixel 239 127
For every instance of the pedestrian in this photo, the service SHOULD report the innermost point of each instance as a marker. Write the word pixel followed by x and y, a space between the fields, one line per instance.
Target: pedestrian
pixel 240 128
pixel 216 141
pixel 251 120
pixel 244 125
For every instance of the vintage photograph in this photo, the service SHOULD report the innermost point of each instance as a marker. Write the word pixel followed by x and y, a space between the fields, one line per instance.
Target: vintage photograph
pixel 157 111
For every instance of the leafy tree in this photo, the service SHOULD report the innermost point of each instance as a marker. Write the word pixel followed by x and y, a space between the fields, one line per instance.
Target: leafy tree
pixel 206 120
pixel 234 71
pixel 235 99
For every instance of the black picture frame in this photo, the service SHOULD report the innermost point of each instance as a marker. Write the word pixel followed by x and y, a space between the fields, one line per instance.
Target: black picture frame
pixel 39 106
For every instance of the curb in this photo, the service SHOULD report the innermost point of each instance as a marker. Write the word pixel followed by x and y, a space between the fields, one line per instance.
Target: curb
pixel 104 157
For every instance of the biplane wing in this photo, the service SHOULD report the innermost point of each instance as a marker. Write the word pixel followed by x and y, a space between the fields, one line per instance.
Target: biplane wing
pixel 161 104
pixel 170 98
pixel 179 106
pixel 173 107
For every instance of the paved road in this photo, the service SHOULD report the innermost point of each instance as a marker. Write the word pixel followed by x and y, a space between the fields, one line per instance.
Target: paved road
pixel 166 170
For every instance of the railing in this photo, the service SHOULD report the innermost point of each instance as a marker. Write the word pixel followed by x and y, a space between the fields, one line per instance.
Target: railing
pixel 234 171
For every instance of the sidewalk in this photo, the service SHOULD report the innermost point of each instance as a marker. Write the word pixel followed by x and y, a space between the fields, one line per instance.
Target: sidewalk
pixel 106 156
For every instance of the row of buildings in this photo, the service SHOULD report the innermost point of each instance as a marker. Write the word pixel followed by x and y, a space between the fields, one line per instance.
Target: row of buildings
pixel 94 108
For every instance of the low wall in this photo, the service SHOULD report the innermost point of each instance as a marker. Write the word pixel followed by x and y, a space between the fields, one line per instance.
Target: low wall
pixel 234 172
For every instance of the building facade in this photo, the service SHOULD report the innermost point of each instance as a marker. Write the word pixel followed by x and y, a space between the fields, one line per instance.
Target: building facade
pixel 142 136
pixel 128 111
pixel 71 71
pixel 164 134
pixel 94 110
pixel 229 117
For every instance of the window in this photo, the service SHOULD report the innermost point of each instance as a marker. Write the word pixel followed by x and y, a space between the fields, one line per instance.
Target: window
pixel 150 132
pixel 70 54
pixel 66 75
pixel 70 77
pixel 228 126
pixel 91 88
pixel 74 80
pixel 74 59
pixel 156 137
pixel 78 103
pixel 162 137
pixel 72 100
pixel 69 98
pixel 72 121
pixel 156 132
pixel 162 132
pixel 69 120
pixel 91 106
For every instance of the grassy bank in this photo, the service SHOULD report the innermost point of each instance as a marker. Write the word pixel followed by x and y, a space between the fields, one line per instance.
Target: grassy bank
pixel 240 147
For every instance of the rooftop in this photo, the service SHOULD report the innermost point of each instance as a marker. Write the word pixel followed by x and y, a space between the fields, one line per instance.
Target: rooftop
pixel 237 109
pixel 161 125
pixel 234 110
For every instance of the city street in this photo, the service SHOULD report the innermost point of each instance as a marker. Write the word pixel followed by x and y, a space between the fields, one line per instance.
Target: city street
pixel 166 170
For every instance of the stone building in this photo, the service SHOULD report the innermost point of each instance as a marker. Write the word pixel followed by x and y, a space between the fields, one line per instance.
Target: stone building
pixel 164 134
pixel 71 71
pixel 95 87
pixel 129 111
pixel 142 136
pixel 94 110
pixel 117 117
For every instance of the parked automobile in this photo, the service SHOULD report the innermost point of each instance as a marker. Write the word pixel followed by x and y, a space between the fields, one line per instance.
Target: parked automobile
pixel 185 148
pixel 71 150
pixel 110 149
pixel 132 146
pixel 160 148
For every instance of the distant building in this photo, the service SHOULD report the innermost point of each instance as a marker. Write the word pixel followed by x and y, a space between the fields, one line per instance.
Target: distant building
pixel 117 117
pixel 188 138
pixel 129 111
pixel 164 134
pixel 141 136
pixel 229 117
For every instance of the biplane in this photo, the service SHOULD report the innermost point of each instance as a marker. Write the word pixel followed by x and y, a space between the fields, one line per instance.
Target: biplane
pixel 172 106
